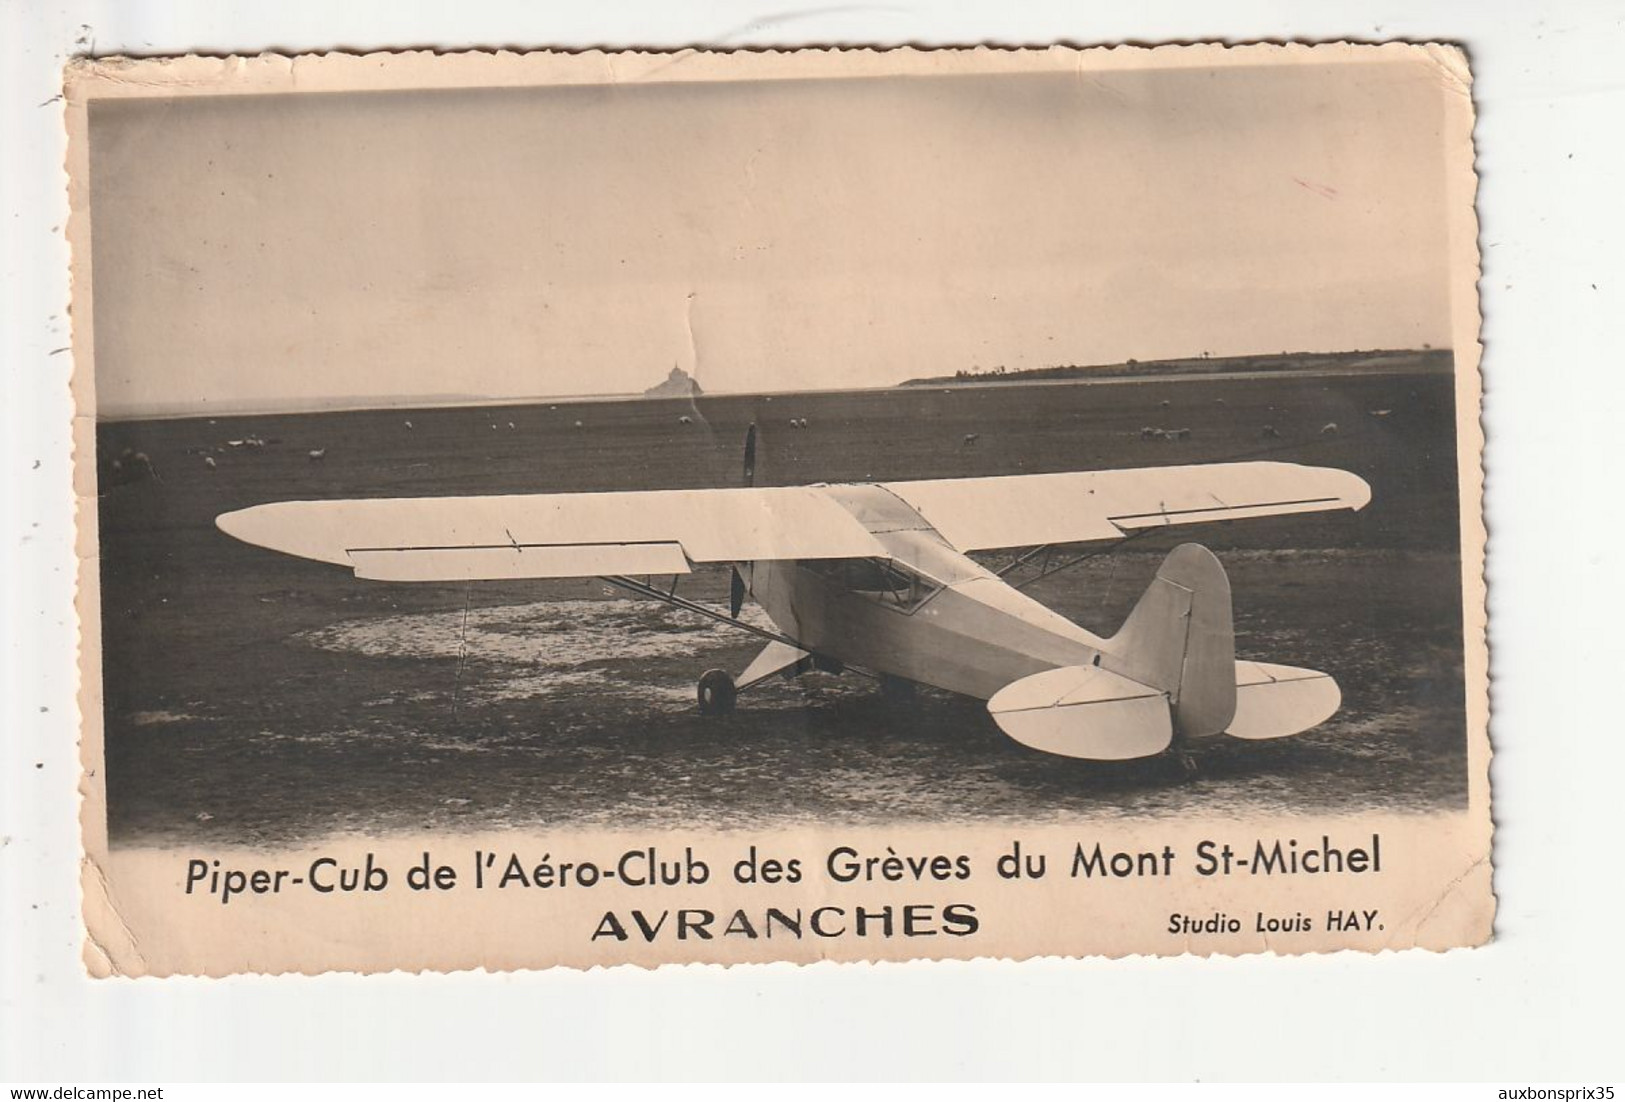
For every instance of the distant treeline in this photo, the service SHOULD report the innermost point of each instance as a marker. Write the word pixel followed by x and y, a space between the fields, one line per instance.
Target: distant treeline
pixel 1424 359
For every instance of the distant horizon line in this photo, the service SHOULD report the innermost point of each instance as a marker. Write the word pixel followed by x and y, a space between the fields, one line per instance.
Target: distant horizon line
pixel 975 377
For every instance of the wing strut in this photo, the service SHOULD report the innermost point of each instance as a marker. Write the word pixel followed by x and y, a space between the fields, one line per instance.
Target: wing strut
pixel 670 597
pixel 1046 568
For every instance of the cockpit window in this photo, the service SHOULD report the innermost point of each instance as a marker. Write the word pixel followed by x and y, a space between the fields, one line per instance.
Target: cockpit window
pixel 883 581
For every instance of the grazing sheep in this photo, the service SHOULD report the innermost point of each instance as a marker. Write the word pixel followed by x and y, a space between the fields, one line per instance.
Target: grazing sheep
pixel 510 424
pixel 133 466
pixel 685 419
pixel 317 453
pixel 1329 429
pixel 1165 403
pixel 1150 433
pixel 971 438
pixel 408 424
pixel 1380 412
pixel 579 425
pixel 1270 433
pixel 1177 434
pixel 208 461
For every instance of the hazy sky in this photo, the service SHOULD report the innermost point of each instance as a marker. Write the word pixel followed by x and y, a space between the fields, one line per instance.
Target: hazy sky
pixel 353 249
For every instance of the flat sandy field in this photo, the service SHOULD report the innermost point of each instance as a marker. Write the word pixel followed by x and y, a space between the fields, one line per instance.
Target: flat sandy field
pixel 252 698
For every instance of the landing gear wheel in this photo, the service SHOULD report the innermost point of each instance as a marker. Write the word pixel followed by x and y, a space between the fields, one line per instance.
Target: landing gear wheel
pixel 717 693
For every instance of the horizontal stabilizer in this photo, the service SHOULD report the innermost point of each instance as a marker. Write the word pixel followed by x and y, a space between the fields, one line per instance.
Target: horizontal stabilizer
pixel 1276 701
pixel 1084 712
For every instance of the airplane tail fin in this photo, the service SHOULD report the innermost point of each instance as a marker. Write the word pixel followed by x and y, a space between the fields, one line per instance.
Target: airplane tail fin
pixel 1169 673
pixel 1180 639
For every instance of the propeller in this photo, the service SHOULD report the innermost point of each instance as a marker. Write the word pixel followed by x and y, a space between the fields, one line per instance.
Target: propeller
pixel 736 582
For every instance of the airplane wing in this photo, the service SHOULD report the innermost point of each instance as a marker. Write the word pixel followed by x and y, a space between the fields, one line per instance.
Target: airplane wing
pixel 556 535
pixel 979 514
pixel 582 535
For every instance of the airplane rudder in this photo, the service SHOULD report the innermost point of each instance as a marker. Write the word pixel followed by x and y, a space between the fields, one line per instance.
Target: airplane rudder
pixel 1180 638
pixel 1207 694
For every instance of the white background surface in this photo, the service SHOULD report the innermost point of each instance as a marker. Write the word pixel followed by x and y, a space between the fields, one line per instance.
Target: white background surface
pixel 1542 1003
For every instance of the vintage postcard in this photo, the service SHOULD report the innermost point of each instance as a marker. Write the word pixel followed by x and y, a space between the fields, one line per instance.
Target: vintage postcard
pixel 588 509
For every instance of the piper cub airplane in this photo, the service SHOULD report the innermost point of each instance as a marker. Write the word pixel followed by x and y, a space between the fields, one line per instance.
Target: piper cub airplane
pixel 875 578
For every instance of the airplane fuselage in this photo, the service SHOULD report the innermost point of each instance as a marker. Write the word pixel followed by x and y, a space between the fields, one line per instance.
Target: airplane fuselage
pixel 930 614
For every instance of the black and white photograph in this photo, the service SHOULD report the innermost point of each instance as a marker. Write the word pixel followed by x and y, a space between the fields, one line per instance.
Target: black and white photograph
pixel 712 448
